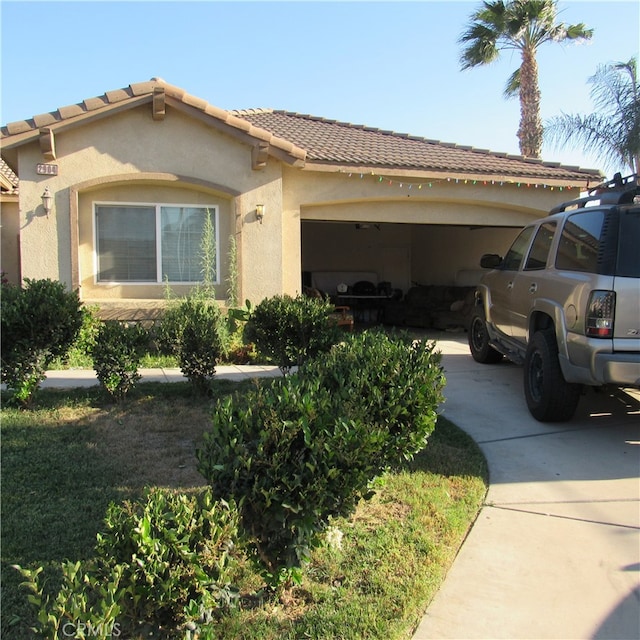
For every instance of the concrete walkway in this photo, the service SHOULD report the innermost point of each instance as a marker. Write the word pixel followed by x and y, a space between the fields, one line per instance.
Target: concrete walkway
pixel 70 378
pixel 555 551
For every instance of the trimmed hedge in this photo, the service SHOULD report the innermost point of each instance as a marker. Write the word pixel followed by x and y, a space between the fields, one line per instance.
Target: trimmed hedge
pixel 290 330
pixel 116 354
pixel 39 322
pixel 306 448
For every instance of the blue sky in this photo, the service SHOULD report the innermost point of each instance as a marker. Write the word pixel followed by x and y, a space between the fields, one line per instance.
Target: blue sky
pixel 390 65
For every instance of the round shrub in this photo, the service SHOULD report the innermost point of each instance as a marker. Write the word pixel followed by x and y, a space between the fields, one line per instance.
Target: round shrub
pixel 290 330
pixel 392 382
pixel 307 447
pixel 39 322
pixel 195 332
pixel 162 563
pixel 176 553
pixel 117 354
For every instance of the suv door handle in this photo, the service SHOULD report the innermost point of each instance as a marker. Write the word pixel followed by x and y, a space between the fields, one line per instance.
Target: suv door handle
pixel 533 287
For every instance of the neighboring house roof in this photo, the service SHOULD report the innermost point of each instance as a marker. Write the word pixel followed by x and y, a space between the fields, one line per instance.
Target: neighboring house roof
pixel 303 140
pixel 333 142
pixel 8 179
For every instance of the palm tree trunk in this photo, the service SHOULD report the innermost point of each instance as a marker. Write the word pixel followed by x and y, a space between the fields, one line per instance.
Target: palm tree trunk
pixel 530 131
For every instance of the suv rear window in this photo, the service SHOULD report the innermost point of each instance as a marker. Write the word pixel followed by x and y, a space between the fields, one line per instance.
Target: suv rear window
pixel 579 242
pixel 628 251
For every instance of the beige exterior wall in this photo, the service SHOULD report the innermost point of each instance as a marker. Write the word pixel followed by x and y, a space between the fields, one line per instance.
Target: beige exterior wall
pixel 428 235
pixel 336 196
pixel 432 235
pixel 129 157
pixel 10 233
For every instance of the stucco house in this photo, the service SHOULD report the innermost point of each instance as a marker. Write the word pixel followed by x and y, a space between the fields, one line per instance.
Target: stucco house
pixel 136 174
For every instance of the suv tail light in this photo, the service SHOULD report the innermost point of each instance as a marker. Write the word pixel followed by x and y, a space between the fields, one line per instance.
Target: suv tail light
pixel 600 312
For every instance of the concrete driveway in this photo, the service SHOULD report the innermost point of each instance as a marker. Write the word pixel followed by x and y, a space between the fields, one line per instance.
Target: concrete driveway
pixel 555 551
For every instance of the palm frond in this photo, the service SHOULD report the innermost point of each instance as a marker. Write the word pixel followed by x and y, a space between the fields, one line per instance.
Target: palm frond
pixel 612 132
pixel 521 25
pixel 512 88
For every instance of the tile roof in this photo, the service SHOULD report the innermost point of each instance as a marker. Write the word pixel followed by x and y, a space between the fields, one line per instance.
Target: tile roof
pixel 307 140
pixel 16 133
pixel 334 142
pixel 9 181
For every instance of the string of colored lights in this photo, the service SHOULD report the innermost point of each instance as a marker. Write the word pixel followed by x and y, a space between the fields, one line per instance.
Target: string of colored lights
pixel 430 183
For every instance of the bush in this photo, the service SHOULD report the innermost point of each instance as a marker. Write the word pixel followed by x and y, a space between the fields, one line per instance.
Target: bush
pixel 394 383
pixel 79 354
pixel 86 606
pixel 161 563
pixel 38 324
pixel 116 354
pixel 306 448
pixel 89 329
pixel 194 331
pixel 289 330
pixel 175 550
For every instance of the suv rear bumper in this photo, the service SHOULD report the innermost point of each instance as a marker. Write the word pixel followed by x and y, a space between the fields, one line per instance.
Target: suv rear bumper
pixel 622 369
pixel 619 369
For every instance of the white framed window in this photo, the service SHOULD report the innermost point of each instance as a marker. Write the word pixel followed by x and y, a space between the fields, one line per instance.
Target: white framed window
pixel 154 243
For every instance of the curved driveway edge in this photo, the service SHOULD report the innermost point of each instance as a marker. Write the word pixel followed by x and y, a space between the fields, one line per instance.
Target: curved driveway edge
pixel 555 551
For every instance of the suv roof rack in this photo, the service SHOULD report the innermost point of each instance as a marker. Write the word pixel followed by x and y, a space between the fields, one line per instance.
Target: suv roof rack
pixel 618 190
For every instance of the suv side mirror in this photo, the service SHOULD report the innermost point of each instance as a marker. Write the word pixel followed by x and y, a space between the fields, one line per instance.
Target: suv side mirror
pixel 490 261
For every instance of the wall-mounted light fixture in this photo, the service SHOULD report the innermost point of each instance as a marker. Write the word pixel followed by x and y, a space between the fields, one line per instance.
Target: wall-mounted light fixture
pixel 259 212
pixel 47 201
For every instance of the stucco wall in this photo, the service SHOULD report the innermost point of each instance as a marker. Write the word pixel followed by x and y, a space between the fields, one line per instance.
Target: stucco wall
pixel 104 159
pixel 129 157
pixel 10 232
pixel 431 235
pixel 449 254
pixel 338 196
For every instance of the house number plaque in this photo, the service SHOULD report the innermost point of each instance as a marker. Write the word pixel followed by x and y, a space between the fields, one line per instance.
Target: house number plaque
pixel 47 169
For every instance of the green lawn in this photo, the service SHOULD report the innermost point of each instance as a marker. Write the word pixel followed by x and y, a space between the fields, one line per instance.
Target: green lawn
pixel 63 462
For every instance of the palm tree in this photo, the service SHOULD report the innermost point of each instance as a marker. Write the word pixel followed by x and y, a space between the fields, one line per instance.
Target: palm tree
pixel 521 25
pixel 613 132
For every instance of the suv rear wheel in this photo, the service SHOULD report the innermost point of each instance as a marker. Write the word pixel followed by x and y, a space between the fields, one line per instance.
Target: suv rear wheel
pixel 479 345
pixel 550 397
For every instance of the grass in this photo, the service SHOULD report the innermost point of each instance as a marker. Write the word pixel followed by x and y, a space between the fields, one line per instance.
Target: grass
pixel 78 359
pixel 67 459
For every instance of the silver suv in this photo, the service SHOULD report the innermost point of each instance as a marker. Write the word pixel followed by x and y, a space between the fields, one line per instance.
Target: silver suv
pixel 565 300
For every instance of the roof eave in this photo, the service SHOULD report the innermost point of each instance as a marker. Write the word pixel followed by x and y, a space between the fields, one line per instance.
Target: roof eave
pixel 12 141
pixel 28 131
pixel 589 176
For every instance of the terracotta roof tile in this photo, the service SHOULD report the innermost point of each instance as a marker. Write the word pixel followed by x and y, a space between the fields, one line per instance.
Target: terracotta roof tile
pixel 142 88
pixel 44 120
pixel 317 140
pixel 91 104
pixel 70 111
pixel 20 126
pixel 133 93
pixel 334 142
pixel 118 95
